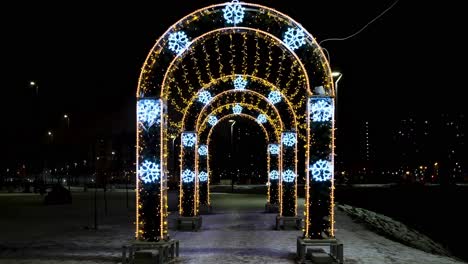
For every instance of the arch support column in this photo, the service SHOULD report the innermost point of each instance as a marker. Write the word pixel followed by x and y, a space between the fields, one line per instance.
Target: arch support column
pixel 151 207
pixel 203 176
pixel 319 204
pixel 288 184
pixel 188 195
pixel 273 159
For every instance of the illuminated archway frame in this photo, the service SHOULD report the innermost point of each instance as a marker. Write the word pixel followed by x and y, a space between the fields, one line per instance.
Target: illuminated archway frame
pixel 275 134
pixel 264 86
pixel 256 17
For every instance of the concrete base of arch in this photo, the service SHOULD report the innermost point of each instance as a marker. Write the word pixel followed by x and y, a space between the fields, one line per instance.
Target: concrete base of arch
pixel 311 251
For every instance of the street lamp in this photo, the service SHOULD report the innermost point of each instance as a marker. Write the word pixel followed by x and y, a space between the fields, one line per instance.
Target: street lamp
pixel 233 122
pixel 68 120
pixel 34 85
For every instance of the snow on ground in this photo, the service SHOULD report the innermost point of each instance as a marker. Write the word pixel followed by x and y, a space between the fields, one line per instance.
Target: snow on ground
pixel 237 232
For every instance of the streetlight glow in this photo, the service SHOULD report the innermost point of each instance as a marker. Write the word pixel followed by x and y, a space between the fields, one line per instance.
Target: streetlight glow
pixel 49 133
pixel 32 83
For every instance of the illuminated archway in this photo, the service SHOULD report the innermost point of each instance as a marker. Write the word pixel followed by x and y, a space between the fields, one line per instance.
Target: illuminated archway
pixel 214 38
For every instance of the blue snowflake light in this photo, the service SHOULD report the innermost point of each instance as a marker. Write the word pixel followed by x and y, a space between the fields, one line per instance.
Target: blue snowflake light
pixel 212 120
pixel 274 149
pixel 203 150
pixel 204 97
pixel 294 38
pixel 203 176
pixel 234 12
pixel 237 109
pixel 148 112
pixel 188 176
pixel 178 42
pixel 289 176
pixel 261 119
pixel 274 175
pixel 289 139
pixel 240 83
pixel 321 110
pixel 274 97
pixel 321 170
pixel 189 139
pixel 149 172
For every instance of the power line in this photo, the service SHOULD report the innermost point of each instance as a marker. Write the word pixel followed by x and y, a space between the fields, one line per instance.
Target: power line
pixel 364 27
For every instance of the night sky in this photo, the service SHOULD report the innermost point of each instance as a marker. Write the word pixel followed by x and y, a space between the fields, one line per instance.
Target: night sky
pixel 86 59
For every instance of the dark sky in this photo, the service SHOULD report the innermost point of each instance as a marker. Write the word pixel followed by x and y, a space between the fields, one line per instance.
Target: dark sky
pixel 86 60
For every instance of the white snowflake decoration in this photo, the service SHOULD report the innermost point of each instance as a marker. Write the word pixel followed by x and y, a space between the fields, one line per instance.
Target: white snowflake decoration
pixel 203 150
pixel 289 139
pixel 178 42
pixel 203 176
pixel 321 170
pixel 237 109
pixel 274 149
pixel 321 110
pixel 274 97
pixel 289 176
pixel 188 176
pixel 204 97
pixel 212 120
pixel 148 112
pixel 234 12
pixel 294 38
pixel 240 83
pixel 149 172
pixel 261 119
pixel 274 175
pixel 189 139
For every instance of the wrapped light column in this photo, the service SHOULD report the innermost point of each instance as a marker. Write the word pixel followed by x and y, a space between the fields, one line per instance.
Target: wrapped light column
pixel 288 185
pixel 151 210
pixel 188 195
pixel 319 204
pixel 203 175
pixel 273 154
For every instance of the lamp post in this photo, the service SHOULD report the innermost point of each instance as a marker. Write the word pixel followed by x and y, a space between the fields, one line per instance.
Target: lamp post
pixel 337 77
pixel 233 122
pixel 66 117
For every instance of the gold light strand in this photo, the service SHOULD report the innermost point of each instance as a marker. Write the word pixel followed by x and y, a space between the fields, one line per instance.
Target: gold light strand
pixel 245 55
